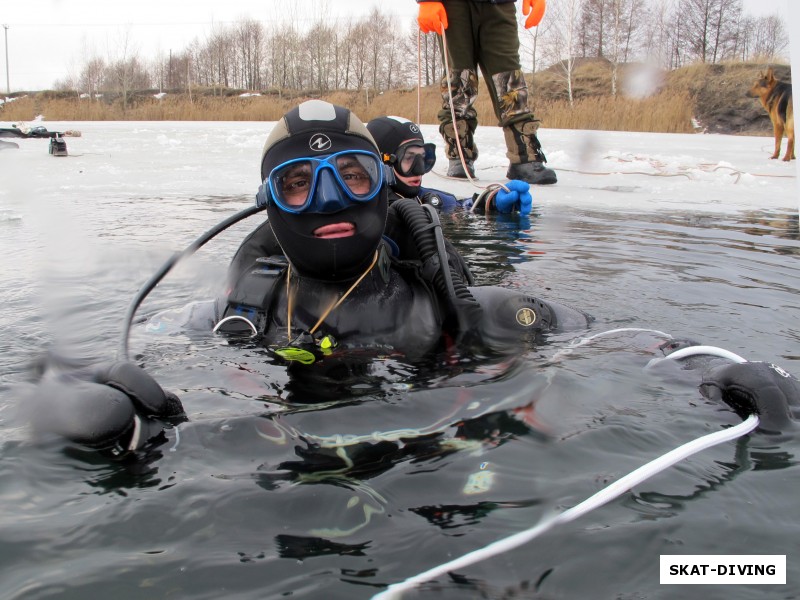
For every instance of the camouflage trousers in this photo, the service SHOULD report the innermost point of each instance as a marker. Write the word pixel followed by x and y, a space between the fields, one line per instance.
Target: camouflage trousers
pixel 509 94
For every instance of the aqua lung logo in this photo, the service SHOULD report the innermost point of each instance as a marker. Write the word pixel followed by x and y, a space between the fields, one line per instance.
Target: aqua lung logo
pixel 319 142
pixel 414 128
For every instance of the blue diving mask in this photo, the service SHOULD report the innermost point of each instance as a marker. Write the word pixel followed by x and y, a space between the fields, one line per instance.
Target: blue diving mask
pixel 326 184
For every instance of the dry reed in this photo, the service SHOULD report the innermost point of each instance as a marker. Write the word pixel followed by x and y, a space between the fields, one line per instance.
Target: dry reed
pixel 668 112
pixel 714 93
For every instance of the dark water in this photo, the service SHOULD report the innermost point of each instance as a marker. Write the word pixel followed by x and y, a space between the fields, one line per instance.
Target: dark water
pixel 272 491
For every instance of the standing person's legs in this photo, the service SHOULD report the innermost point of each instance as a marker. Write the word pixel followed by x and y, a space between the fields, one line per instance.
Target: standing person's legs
pixel 460 35
pixel 498 57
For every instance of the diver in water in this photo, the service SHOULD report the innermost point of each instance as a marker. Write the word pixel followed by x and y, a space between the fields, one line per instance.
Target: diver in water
pixel 403 147
pixel 338 262
pixel 336 270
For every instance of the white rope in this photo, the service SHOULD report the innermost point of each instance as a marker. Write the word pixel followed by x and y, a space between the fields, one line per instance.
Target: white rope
pixel 453 109
pixel 419 75
pixel 698 351
pixel 597 500
pixel 591 338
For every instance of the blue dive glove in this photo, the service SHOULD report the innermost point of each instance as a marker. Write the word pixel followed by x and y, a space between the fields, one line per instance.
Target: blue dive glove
pixel 517 197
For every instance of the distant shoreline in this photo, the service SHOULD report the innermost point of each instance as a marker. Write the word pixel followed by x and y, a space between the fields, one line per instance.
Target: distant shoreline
pixel 706 98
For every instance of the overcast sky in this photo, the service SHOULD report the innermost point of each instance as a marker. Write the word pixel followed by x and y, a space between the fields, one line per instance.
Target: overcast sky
pixel 50 39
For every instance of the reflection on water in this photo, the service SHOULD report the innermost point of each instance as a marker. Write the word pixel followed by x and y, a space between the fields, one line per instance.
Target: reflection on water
pixel 385 469
pixel 681 273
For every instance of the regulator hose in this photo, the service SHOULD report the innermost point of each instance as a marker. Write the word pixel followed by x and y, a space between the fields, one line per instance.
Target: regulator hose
pixel 167 267
pixel 422 222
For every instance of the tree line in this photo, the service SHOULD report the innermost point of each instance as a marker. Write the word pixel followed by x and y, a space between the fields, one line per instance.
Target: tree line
pixel 375 53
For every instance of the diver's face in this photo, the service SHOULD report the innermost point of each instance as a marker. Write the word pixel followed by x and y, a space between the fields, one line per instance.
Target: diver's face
pixel 406 164
pixel 354 175
pixel 296 184
pixel 326 184
pixel 328 212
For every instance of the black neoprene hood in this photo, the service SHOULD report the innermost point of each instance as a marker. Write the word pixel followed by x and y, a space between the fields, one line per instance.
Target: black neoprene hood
pixel 314 128
pixel 391 132
pixel 317 128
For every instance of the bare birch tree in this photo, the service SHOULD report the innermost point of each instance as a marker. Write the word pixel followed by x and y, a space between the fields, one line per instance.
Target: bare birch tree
pixel 361 59
pixel 345 56
pixel 91 77
pixel 767 38
pixel 248 44
pixel 428 51
pixel 561 41
pixel 124 71
pixel 531 39
pixel 625 19
pixel 658 33
pixel 710 27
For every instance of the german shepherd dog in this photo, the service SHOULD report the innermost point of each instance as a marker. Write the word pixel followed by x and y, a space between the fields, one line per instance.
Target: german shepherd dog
pixel 776 98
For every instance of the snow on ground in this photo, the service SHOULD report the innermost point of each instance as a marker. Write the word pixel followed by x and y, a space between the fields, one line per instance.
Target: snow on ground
pixel 616 170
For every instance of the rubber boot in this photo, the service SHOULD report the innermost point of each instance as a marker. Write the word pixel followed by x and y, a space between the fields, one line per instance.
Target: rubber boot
pixel 525 154
pixel 456 169
pixel 534 173
pixel 465 139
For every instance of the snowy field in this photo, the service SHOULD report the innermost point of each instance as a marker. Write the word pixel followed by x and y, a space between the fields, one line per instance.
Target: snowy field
pixel 618 170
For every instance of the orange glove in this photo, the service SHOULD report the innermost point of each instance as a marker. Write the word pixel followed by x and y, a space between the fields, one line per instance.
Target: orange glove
pixel 535 11
pixel 432 17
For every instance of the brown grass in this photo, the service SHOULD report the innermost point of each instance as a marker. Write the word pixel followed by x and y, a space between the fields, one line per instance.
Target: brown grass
pixel 714 93
pixel 666 112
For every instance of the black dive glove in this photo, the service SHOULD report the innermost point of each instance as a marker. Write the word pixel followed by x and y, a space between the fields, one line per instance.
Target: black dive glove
pixel 756 387
pixel 747 387
pixel 113 407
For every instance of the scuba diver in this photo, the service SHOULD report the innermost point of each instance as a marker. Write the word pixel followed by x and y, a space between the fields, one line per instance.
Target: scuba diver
pixel 336 260
pixel 403 147
pixel 335 270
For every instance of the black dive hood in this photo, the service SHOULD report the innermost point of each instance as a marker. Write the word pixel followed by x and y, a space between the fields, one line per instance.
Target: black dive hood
pixel 314 129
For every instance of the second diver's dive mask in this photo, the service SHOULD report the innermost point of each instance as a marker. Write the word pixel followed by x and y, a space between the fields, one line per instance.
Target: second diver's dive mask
pixel 414 163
